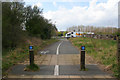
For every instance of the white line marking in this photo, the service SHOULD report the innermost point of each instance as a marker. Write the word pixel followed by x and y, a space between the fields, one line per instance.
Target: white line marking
pixel 42 51
pixel 58 48
pixel 56 70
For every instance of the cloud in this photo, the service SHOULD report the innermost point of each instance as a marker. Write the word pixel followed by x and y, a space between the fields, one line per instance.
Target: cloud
pixel 54 3
pixel 37 4
pixel 57 0
pixel 102 14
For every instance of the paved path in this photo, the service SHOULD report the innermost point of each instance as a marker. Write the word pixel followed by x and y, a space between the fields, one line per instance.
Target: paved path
pixel 59 60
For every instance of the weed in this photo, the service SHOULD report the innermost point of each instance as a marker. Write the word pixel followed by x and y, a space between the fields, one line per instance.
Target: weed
pixel 103 51
pixel 20 54
pixel 33 67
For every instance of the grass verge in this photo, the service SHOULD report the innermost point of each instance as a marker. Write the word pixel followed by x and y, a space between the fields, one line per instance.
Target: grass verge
pixel 103 51
pixel 21 53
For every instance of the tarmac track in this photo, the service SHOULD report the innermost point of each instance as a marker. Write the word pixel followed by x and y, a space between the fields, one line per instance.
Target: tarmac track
pixel 62 61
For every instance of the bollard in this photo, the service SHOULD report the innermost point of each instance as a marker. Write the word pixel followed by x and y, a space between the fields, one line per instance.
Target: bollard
pixel 115 37
pixel 82 64
pixel 31 55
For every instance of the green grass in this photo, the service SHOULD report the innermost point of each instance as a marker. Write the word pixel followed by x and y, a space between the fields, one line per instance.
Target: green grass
pixel 103 51
pixel 12 57
pixel 33 67
pixel 86 69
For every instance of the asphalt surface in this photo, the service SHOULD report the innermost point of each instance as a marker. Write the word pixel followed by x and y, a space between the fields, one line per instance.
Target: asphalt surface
pixel 61 47
pixel 65 48
pixel 64 70
pixel 51 49
pixel 68 48
pixel 44 70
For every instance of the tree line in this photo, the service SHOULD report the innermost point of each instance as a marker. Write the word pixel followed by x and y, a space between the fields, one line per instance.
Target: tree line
pixel 96 30
pixel 18 20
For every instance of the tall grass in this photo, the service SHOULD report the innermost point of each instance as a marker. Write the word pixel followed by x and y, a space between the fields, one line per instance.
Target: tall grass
pixel 103 51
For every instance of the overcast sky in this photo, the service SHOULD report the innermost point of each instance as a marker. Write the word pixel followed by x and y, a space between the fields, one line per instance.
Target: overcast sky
pixel 67 13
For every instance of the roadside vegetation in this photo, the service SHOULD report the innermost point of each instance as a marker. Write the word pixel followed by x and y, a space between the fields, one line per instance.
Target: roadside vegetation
pixel 23 26
pixel 21 53
pixel 103 51
pixel 33 67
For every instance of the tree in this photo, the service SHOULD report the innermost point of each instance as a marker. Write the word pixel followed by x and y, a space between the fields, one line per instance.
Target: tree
pixel 60 34
pixel 14 14
pixel 12 19
pixel 37 25
pixel 64 33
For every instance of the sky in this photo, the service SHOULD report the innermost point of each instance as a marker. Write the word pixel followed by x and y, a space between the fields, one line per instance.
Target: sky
pixel 67 13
